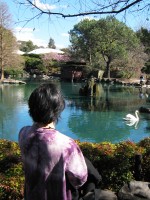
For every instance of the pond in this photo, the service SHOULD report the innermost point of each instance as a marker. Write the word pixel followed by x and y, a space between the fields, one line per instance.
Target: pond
pixel 85 118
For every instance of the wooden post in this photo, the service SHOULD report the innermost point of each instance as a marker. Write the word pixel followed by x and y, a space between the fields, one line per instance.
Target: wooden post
pixel 138 167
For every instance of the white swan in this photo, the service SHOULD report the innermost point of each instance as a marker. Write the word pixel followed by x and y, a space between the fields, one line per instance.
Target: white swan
pixel 132 123
pixel 132 118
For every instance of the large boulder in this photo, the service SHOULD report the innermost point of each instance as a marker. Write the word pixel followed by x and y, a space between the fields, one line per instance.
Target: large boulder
pixel 135 190
pixel 99 194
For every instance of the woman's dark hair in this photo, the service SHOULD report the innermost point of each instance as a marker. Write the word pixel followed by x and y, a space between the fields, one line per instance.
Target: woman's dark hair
pixel 46 104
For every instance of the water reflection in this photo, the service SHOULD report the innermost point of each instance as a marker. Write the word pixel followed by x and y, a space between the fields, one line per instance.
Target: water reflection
pixel 110 98
pixel 100 118
pixel 94 119
pixel 97 126
pixel 132 123
pixel 13 101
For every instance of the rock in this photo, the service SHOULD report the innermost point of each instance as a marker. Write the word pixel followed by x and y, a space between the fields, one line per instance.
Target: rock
pixel 99 194
pixel 106 195
pixel 147 82
pixel 135 190
pixel 144 110
pixel 12 81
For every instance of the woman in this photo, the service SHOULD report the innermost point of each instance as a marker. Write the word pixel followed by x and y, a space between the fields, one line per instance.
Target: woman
pixel 53 162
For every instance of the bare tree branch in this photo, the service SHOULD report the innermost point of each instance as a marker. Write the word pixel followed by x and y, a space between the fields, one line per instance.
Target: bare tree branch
pixel 111 8
pixel 75 8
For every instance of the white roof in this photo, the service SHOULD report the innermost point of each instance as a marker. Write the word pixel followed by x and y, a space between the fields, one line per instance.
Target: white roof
pixel 20 52
pixel 45 50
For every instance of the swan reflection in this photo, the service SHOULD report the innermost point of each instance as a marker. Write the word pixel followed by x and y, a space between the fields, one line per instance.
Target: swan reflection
pixel 132 123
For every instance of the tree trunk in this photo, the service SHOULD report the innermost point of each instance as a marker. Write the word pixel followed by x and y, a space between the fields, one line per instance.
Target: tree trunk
pixel 107 59
pixel 2 74
pixel 108 68
pixel 2 70
pixel 90 56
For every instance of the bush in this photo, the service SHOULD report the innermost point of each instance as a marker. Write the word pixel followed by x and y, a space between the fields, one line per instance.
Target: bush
pixel 13 72
pixel 115 162
pixel 146 159
pixel 11 172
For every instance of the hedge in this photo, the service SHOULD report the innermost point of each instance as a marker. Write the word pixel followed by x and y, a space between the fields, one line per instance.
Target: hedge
pixel 115 163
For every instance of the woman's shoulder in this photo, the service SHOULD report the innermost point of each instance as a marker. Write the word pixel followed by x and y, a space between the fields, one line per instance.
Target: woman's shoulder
pixel 63 137
pixel 24 129
pixel 65 141
pixel 23 132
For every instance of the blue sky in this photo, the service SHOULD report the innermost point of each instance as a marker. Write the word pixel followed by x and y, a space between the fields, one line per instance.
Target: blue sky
pixel 40 30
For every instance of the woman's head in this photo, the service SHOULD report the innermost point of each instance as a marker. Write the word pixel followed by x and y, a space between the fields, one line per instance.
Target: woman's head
pixel 46 104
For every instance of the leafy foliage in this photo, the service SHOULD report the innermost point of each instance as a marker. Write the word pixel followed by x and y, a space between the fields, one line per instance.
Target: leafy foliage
pixel 27 46
pixel 51 44
pixel 115 162
pixel 8 44
pixel 33 64
pixel 14 72
pixel 103 41
pixel 11 173
pixel 146 68
pixel 146 159
pixel 144 36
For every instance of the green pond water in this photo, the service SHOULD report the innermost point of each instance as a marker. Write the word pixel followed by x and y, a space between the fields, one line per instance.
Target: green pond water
pixel 85 118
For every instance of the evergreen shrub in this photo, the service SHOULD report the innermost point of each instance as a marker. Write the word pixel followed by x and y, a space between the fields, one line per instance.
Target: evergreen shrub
pixel 115 163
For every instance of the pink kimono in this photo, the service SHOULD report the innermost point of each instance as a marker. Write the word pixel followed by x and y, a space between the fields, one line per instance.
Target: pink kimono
pixel 53 163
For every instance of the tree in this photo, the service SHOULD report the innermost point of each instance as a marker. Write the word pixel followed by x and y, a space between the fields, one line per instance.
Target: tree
pixel 8 44
pixel 34 64
pixel 132 64
pixel 51 44
pixel 114 41
pixel 144 35
pixel 106 38
pixel 82 40
pixel 27 46
pixel 83 8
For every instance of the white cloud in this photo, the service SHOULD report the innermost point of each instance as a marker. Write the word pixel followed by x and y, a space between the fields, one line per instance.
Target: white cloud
pixel 46 6
pixel 43 6
pixel 60 46
pixel 81 18
pixel 26 34
pixel 65 34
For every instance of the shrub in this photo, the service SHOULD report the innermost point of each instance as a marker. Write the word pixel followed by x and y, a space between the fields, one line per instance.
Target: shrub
pixel 115 163
pixel 13 72
pixel 11 173
pixel 146 159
